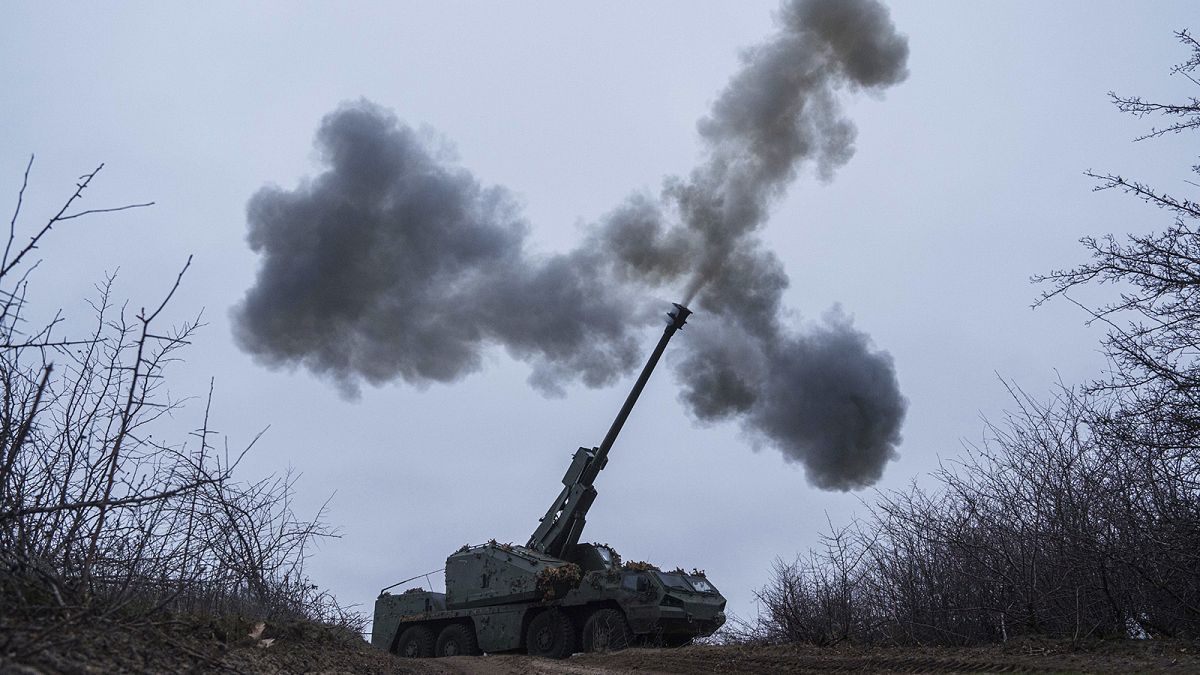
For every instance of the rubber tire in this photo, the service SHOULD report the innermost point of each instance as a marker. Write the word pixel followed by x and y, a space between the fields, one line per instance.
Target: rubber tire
pixel 416 642
pixel 551 634
pixel 457 639
pixel 605 631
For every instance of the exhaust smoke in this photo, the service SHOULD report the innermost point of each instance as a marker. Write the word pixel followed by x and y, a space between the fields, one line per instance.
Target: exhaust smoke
pixel 396 264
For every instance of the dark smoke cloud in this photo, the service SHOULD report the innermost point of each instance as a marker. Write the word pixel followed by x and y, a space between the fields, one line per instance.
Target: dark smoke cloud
pixel 823 396
pixel 394 263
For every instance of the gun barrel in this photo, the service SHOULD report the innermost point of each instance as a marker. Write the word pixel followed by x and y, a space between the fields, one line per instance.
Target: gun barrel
pixel 560 528
pixel 675 321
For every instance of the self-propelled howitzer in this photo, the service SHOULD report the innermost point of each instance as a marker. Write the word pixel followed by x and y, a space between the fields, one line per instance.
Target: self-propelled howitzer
pixel 554 595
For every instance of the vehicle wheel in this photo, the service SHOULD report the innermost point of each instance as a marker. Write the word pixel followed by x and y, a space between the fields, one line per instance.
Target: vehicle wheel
pixel 551 634
pixel 605 631
pixel 416 642
pixel 457 640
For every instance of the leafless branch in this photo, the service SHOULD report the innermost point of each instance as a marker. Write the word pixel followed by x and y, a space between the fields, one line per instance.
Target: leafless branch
pixel 12 224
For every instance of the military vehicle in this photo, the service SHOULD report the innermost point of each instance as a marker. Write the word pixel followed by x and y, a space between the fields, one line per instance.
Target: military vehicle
pixel 554 596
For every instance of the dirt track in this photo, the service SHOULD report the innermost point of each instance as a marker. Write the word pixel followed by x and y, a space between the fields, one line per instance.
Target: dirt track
pixel 1122 657
pixel 202 647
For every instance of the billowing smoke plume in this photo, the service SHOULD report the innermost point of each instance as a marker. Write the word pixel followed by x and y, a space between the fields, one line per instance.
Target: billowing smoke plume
pixel 394 263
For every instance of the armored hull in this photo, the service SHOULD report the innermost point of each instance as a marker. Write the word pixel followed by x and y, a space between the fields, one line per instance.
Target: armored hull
pixel 608 605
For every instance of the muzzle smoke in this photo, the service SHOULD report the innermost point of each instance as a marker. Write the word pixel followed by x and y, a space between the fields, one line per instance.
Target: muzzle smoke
pixel 395 263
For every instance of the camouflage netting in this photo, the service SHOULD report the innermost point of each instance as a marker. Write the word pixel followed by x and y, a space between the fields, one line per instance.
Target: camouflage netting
pixel 616 557
pixel 553 581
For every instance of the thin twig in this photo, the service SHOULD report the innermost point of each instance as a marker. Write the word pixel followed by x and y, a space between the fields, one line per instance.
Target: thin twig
pixel 117 208
pixel 12 224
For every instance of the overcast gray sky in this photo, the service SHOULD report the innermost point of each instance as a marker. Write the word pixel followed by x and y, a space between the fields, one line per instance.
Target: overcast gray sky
pixel 968 179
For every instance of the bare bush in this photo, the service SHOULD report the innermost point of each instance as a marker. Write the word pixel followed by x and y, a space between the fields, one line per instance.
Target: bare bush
pixel 100 517
pixel 1046 529
pixel 1080 515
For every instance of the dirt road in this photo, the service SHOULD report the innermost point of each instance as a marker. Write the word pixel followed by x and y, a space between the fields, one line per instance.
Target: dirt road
pixel 201 647
pixel 1117 657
